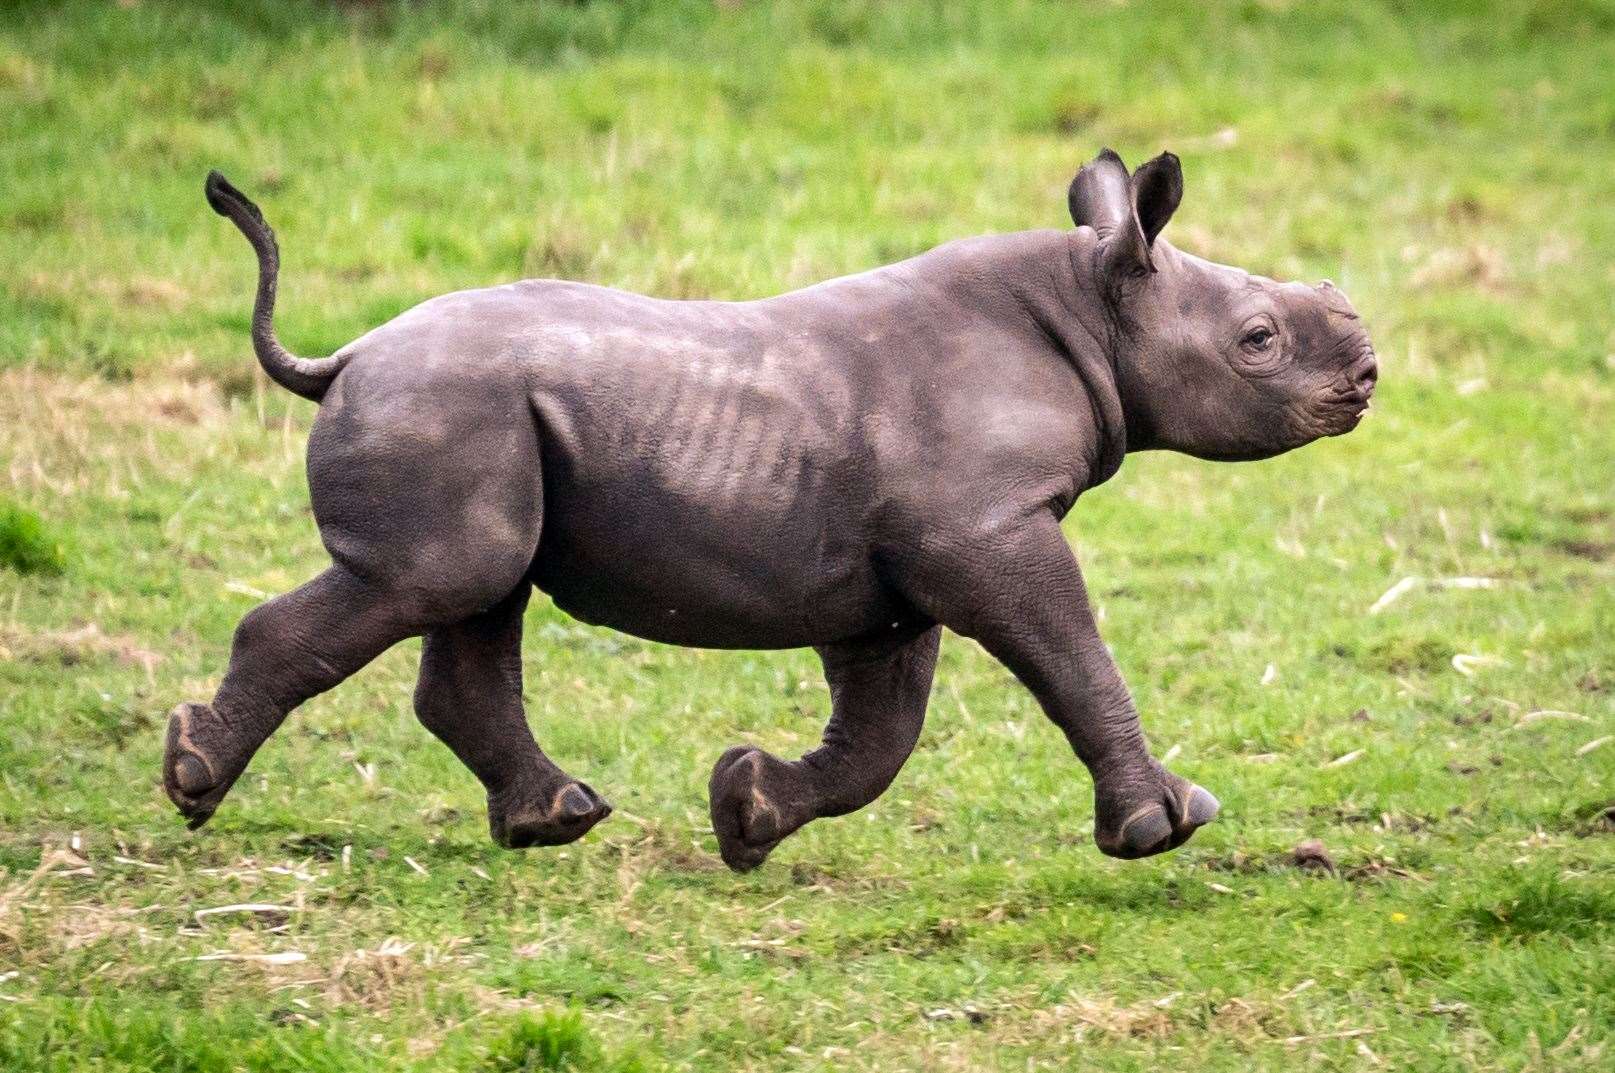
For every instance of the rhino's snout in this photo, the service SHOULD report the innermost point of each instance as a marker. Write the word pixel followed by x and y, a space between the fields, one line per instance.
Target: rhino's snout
pixel 1364 373
pixel 1362 366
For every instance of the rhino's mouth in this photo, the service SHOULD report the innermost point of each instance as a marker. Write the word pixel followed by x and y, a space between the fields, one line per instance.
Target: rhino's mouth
pixel 1343 413
pixel 1348 400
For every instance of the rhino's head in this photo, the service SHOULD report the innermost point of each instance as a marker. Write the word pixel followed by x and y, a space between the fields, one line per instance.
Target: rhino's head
pixel 1211 360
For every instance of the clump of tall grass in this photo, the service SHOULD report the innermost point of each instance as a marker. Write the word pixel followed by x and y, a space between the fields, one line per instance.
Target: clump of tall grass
pixel 27 544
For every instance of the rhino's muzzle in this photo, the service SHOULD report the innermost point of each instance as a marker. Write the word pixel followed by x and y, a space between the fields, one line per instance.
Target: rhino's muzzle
pixel 1364 373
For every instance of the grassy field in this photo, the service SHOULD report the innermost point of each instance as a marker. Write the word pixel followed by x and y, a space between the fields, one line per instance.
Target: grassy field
pixel 1451 168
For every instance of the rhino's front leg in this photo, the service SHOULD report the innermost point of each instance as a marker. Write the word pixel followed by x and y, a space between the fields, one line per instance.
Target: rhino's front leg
pixel 878 694
pixel 1019 592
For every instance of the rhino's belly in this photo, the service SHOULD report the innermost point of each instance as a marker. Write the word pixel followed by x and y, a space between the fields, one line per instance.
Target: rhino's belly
pixel 670 573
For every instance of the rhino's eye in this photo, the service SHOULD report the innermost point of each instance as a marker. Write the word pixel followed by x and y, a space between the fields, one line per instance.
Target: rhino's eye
pixel 1258 339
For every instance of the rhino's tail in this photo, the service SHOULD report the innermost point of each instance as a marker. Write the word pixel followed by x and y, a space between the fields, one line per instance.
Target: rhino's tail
pixel 308 377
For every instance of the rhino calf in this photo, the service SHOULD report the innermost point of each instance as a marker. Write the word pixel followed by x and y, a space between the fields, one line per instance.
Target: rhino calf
pixel 850 467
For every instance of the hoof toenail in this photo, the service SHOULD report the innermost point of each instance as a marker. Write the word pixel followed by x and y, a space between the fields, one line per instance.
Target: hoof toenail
pixel 192 776
pixel 1203 806
pixel 1145 828
pixel 574 804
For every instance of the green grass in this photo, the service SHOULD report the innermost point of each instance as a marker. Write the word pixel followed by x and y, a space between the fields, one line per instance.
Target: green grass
pixel 26 543
pixel 1448 166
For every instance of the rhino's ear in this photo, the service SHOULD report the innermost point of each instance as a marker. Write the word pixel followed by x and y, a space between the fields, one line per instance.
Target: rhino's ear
pixel 1157 189
pixel 1102 197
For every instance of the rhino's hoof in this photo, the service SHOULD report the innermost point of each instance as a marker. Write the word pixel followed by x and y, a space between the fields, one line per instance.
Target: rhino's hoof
pixel 1155 826
pixel 745 808
pixel 563 816
pixel 189 779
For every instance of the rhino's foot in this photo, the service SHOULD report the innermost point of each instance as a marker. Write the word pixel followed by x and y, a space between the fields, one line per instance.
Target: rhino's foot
pixel 1149 813
pixel 527 816
pixel 195 776
pixel 755 803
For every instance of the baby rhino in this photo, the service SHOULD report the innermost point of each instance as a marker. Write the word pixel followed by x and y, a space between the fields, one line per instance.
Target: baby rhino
pixel 850 467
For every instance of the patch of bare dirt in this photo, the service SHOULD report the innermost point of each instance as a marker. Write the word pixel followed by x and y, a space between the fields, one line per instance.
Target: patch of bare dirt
pixel 150 291
pixel 69 648
pixel 35 923
pixel 1312 856
pixel 67 435
pixel 1597 551
pixel 1081 1017
pixel 1476 265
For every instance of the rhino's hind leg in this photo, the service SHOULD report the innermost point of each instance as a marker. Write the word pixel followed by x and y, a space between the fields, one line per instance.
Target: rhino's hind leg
pixel 470 696
pixel 878 694
pixel 285 651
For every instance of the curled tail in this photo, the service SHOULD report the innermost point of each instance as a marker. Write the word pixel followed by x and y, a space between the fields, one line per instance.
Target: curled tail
pixel 308 377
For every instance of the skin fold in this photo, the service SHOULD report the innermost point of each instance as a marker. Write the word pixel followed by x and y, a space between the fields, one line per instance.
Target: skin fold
pixel 849 467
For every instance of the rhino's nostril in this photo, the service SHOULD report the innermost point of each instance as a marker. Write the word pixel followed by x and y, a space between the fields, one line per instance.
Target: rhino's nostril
pixel 1364 371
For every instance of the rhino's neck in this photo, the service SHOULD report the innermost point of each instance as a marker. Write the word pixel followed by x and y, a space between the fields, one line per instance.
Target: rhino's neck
pixel 1040 286
pixel 1134 396
pixel 1090 345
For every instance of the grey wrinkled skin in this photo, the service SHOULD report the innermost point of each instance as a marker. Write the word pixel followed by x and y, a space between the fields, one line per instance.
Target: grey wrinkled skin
pixel 850 467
